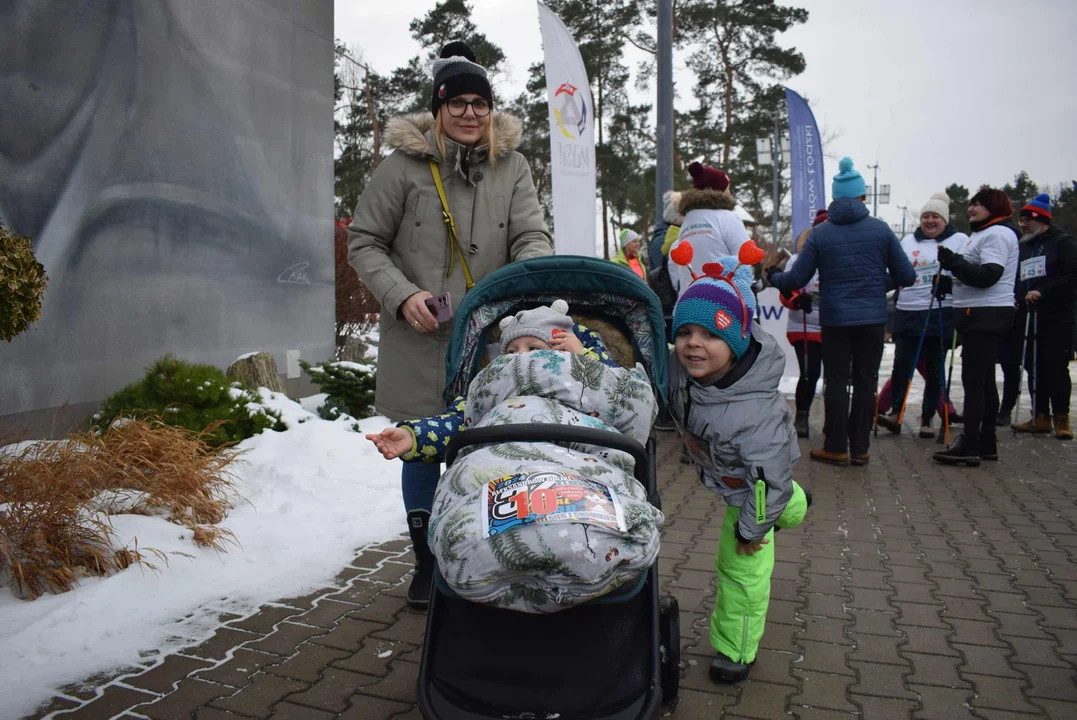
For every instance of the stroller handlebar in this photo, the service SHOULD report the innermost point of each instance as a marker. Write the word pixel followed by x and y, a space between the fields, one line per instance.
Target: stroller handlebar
pixel 523 432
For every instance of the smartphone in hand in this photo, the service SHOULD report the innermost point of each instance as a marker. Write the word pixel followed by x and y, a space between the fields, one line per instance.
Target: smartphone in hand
pixel 440 307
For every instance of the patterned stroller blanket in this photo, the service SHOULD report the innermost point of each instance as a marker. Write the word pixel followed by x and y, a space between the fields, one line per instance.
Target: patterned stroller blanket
pixel 540 527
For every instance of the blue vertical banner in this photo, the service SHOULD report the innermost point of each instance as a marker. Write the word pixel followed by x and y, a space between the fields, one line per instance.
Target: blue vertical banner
pixel 806 177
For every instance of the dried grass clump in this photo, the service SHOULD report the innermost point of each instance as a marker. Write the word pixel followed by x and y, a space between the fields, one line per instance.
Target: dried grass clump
pixel 55 498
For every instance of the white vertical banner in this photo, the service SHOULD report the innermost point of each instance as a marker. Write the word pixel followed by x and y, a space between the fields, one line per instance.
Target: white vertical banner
pixel 572 139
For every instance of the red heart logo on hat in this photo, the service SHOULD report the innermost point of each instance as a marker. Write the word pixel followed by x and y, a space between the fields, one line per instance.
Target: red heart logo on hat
pixel 722 320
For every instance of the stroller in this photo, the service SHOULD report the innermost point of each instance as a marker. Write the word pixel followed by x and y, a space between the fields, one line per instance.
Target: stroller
pixel 616 657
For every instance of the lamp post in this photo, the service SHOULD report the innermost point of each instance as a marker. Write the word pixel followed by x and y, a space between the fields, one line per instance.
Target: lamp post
pixel 904 211
pixel 663 177
pixel 773 151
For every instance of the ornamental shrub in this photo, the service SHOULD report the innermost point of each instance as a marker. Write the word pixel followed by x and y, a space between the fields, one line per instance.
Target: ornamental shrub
pixel 22 283
pixel 348 385
pixel 197 397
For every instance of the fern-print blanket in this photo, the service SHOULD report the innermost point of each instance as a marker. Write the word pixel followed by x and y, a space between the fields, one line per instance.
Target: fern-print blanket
pixel 539 527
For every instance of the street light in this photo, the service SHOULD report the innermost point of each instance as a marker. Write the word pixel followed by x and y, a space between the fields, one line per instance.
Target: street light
pixel 769 150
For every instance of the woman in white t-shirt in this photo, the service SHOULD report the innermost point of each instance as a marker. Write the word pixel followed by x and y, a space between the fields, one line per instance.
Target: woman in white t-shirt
pixel 915 306
pixel 709 222
pixel 984 273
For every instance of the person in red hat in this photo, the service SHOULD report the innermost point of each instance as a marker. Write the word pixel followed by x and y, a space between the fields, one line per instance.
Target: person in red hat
pixel 710 224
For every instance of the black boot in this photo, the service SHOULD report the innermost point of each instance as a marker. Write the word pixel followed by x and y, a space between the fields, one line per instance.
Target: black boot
pixel 801 424
pixel 724 670
pixel 989 448
pixel 419 590
pixel 1003 419
pixel 961 453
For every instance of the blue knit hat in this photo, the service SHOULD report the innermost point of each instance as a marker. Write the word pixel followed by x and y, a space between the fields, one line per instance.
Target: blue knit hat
pixel 721 301
pixel 848 183
pixel 1038 209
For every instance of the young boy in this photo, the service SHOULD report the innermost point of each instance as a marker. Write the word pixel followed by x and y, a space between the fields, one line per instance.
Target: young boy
pixel 739 431
pixel 542 328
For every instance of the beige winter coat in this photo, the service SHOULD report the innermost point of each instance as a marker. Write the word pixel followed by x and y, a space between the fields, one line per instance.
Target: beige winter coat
pixel 398 242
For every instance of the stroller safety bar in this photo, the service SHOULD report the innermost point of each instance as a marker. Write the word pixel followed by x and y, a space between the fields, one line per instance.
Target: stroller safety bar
pixel 551 434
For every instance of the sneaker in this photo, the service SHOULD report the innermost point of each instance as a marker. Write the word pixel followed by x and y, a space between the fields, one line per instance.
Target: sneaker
pixel 890 422
pixel 801 424
pixel 859 459
pixel 724 670
pixel 1062 427
pixel 926 431
pixel 989 448
pixel 1039 424
pixel 962 453
pixel 829 458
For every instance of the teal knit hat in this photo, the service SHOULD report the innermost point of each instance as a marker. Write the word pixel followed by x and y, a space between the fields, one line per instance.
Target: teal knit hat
pixel 721 300
pixel 848 183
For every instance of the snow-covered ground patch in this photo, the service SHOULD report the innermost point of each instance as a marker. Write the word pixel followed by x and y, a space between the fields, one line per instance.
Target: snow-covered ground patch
pixel 310 497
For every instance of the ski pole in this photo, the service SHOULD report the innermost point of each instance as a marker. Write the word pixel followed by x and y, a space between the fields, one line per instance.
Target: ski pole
pixel 1035 358
pixel 1024 349
pixel 916 359
pixel 804 365
pixel 949 379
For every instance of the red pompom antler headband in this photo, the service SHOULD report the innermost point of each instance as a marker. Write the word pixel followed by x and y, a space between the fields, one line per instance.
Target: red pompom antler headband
pixel 749 254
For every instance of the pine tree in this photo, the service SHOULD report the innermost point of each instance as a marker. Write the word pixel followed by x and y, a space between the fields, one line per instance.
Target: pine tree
pixel 1021 190
pixel 959 207
pixel 1064 208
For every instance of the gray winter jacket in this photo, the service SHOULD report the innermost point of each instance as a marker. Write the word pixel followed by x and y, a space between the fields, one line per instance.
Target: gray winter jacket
pixel 741 434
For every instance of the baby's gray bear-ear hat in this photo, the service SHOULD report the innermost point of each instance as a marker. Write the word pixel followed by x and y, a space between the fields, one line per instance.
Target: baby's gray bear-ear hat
pixel 539 322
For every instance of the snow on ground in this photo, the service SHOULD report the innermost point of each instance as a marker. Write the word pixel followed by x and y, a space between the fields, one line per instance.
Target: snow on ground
pixel 311 496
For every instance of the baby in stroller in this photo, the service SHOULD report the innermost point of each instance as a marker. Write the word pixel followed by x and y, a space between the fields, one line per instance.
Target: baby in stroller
pixel 539 527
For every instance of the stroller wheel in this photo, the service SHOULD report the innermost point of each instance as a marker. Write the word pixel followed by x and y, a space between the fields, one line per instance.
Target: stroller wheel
pixel 669 633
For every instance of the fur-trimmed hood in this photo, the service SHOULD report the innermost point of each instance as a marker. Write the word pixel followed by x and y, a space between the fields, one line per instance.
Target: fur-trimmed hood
pixel 696 199
pixel 414 135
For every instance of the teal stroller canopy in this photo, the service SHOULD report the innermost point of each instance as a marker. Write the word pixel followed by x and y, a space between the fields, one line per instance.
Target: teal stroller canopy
pixel 589 286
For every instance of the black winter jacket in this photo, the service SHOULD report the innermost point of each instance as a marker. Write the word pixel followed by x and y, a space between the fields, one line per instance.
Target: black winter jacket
pixel 1058 289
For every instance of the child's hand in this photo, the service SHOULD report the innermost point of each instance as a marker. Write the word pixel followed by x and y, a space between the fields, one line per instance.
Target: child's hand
pixel 393 442
pixel 566 341
pixel 751 548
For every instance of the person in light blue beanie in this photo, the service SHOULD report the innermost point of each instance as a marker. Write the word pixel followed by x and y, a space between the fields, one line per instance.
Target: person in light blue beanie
pixel 858 259
pixel 848 183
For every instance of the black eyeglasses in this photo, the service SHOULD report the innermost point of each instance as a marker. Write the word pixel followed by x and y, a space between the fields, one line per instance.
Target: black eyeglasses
pixel 458 107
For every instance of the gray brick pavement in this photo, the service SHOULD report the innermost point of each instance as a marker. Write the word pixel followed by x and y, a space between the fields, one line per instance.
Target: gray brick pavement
pixel 912 591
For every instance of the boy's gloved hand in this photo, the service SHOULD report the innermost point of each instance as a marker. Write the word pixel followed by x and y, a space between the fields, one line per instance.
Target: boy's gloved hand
pixel 393 442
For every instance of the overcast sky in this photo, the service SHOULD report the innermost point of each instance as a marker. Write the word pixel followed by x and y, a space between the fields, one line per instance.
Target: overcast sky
pixel 967 91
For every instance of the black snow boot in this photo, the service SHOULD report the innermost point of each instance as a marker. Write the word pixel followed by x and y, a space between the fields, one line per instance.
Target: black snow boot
pixel 801 424
pixel 419 590
pixel 724 670
pixel 961 453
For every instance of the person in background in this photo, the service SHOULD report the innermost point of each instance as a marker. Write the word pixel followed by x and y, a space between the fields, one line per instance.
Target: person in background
pixel 913 304
pixel 805 334
pixel 984 274
pixel 710 224
pixel 858 259
pixel 1048 258
pixel 629 255
pixel 662 237
pixel 399 245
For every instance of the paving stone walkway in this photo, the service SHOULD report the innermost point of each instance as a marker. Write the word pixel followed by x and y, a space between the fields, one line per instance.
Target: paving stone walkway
pixel 912 591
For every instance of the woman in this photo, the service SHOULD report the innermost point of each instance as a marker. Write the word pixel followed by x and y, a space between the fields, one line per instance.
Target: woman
pixel 399 242
pixel 805 335
pixel 984 272
pixel 919 314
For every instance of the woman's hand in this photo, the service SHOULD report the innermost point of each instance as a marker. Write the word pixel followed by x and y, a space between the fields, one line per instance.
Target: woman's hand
pixel 418 314
pixel 1032 297
pixel 393 442
pixel 751 548
pixel 566 341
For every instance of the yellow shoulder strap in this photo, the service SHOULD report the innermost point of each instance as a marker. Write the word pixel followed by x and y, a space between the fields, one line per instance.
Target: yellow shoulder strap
pixel 454 243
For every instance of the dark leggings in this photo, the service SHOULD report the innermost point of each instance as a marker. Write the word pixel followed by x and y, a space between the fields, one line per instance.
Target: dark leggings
pixel 978 355
pixel 807 383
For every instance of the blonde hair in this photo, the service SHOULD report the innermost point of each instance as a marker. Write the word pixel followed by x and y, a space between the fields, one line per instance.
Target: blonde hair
pixel 803 238
pixel 491 139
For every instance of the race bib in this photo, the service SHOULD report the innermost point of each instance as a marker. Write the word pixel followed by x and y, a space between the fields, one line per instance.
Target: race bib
pixel 1034 267
pixel 813 286
pixel 926 273
pixel 547 497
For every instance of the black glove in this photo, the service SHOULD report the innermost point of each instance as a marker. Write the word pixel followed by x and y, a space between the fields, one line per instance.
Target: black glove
pixel 946 257
pixel 771 272
pixel 942 285
pixel 803 302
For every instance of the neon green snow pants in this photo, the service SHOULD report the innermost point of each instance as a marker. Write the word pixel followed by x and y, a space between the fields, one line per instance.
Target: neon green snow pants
pixel 740 608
